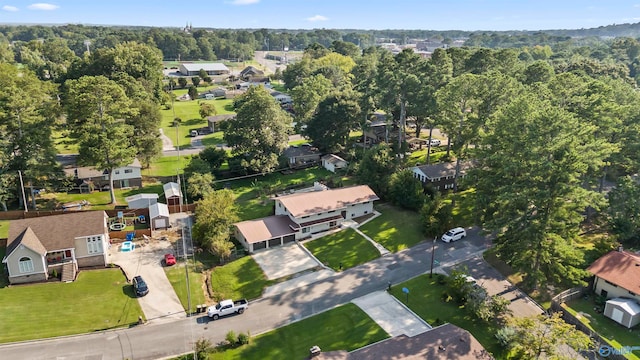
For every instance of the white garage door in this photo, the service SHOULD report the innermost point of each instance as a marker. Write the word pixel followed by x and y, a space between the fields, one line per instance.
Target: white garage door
pixel 161 223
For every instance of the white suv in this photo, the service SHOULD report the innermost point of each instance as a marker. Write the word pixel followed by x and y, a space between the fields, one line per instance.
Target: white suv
pixel 454 235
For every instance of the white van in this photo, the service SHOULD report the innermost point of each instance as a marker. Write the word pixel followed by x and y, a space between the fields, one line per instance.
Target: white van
pixel 454 235
pixel 194 133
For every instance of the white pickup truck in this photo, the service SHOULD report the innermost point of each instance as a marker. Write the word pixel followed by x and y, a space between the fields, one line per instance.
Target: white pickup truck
pixel 226 307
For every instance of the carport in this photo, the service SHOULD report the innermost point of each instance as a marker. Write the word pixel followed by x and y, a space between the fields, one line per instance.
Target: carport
pixel 265 233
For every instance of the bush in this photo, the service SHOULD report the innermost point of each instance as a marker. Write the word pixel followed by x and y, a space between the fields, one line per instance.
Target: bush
pixel 243 339
pixel 203 348
pixel 231 338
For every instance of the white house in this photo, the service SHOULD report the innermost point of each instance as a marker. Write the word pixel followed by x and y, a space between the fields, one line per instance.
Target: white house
pixel 297 216
pixel 333 162
pixel 193 69
pixel 38 246
pixel 617 275
pixel 123 177
pixel 141 201
pixel 159 216
pixel 282 98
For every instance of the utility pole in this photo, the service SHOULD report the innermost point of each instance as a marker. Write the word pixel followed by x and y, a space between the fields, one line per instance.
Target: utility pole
pixel 24 198
pixel 433 252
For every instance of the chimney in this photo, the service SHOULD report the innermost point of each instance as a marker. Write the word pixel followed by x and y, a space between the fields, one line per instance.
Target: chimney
pixel 620 248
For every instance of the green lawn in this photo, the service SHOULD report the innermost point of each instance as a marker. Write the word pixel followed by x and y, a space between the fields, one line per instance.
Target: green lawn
pixel 166 166
pixel 395 229
pixel 344 328
pixel 617 335
pixel 425 300
pixel 252 206
pixel 99 200
pixel 239 279
pixel 4 229
pixel 97 300
pixel 420 156
pixel 345 247
pixel 177 278
pixel 188 111
pixel 4 280
pixel 463 212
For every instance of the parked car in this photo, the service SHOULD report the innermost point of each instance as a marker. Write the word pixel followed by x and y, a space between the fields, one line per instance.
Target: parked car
pixel 140 286
pixel 194 133
pixel 169 260
pixel 227 307
pixel 435 142
pixel 454 234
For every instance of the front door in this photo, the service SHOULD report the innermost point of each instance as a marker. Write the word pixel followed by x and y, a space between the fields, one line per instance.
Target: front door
pixel 344 214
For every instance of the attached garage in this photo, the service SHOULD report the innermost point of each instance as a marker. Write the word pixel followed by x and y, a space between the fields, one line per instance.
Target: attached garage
pixel 159 216
pixel 265 233
pixel 624 311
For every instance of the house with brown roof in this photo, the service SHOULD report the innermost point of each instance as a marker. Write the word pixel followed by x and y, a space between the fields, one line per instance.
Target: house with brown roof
pixel 123 177
pixel 617 278
pixel 617 274
pixel 440 176
pixel 297 216
pixel 445 342
pixel 64 243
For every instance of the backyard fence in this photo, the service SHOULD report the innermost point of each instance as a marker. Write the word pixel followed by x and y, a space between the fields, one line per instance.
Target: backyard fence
pixel 569 318
pixel 120 236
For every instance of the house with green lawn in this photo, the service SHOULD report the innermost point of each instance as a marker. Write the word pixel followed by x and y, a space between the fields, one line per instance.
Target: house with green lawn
pixel 299 215
pixel 39 246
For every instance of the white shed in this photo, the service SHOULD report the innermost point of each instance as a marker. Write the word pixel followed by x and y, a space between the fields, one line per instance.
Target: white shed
pixel 624 311
pixel 333 162
pixel 159 216
pixel 141 201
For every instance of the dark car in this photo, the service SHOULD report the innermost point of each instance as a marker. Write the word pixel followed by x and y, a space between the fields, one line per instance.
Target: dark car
pixel 140 286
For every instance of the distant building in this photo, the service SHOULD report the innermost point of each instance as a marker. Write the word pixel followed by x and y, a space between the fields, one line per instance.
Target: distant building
pixel 193 69
pixel 301 155
pixel 172 193
pixel 123 177
pixel 333 162
pixel 141 201
pixel 440 176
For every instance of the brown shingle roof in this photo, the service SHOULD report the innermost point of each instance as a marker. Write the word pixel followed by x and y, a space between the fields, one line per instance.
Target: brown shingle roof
pixel 619 267
pixel 58 231
pixel 444 169
pixel 266 228
pixel 29 239
pixel 322 201
pixel 444 342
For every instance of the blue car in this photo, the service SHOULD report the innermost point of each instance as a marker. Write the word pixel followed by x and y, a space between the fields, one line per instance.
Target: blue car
pixel 140 286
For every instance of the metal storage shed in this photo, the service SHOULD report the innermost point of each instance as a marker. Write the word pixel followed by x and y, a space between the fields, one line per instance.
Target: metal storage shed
pixel 159 216
pixel 624 311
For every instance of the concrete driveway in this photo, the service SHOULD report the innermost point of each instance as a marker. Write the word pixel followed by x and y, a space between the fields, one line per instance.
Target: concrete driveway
pixel 162 303
pixel 521 305
pixel 395 318
pixel 284 260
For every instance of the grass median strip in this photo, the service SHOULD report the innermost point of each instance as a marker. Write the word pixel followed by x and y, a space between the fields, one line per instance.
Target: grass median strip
pixel 97 300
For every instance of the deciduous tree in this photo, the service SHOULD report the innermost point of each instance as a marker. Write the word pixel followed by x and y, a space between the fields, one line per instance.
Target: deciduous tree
pixel 333 120
pixel 215 215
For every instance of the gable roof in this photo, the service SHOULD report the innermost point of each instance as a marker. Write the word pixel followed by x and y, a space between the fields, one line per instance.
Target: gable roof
pixel 314 202
pixel 303 150
pixel 439 170
pixel 266 228
pixel 630 306
pixel 29 239
pixel 158 209
pixel 621 268
pixel 205 66
pixel 334 159
pixel 54 232
pixel 171 189
pixel 85 172
pixel 444 342
pixel 251 69
pixel 148 196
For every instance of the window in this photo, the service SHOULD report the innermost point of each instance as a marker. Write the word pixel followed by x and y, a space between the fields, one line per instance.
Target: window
pixel 128 171
pixel 117 172
pixel 94 245
pixel 632 293
pixel 25 265
pixel 366 212
pixel 333 223
pixel 305 230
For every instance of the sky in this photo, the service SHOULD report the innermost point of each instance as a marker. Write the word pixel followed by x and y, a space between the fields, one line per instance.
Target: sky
pixel 465 15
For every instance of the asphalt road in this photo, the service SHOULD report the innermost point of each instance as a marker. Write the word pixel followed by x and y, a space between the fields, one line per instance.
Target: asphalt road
pixel 164 340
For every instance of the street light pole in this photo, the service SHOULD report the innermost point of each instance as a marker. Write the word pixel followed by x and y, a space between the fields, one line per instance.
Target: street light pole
pixel 433 252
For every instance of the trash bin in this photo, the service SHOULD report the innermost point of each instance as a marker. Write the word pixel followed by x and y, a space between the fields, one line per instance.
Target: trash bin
pixel 198 308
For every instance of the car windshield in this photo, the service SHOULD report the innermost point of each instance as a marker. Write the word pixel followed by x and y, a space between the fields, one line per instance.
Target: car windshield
pixel 450 232
pixel 218 306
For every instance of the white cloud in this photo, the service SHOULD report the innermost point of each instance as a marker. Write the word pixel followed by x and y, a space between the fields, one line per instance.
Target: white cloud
pixel 42 6
pixel 243 2
pixel 9 8
pixel 317 18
